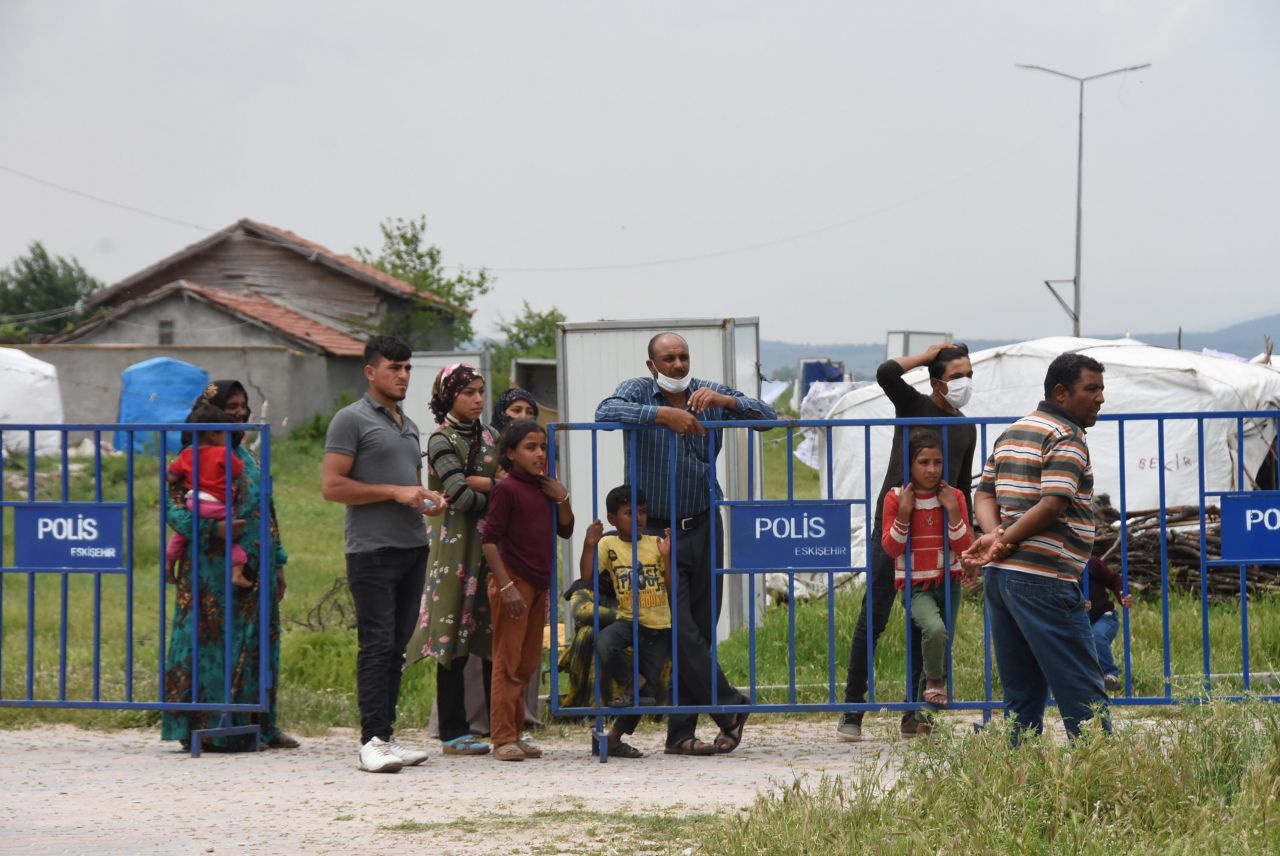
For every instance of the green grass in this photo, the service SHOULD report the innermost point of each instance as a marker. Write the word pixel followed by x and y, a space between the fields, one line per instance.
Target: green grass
pixel 1205 781
pixel 317 684
pixel 813 658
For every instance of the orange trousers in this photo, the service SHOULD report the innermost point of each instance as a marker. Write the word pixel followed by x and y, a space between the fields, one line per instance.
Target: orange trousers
pixel 517 656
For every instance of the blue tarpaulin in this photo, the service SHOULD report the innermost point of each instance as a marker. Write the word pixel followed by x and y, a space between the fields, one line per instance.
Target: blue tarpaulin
pixel 158 390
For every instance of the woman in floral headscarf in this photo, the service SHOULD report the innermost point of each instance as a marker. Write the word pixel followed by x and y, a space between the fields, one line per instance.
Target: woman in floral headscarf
pixel 454 621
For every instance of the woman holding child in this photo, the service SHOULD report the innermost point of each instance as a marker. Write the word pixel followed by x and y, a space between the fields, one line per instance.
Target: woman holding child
pixel 263 564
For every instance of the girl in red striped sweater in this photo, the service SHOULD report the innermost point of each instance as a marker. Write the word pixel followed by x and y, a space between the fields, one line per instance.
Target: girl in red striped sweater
pixel 913 515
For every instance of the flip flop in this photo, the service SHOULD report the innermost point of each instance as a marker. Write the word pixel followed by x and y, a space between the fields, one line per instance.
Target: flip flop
pixel 691 746
pixel 732 737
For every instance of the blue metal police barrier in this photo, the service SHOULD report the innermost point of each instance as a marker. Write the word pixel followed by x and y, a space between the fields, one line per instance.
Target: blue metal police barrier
pixel 79 521
pixel 781 537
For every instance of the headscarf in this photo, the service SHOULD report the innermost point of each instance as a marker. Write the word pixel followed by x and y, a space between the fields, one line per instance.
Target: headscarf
pixel 511 396
pixel 216 394
pixel 444 392
pixel 218 391
pixel 449 383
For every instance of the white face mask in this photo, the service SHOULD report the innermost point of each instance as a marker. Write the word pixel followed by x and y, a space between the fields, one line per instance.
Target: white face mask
pixel 672 385
pixel 959 391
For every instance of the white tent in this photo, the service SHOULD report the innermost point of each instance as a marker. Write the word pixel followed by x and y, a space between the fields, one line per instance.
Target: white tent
pixel 1008 382
pixel 29 394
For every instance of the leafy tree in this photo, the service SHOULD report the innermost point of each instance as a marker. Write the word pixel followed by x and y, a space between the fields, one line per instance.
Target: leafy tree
pixel 531 334
pixel 42 294
pixel 407 256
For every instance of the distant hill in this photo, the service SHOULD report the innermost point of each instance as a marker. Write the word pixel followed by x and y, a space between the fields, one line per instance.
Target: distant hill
pixel 1244 339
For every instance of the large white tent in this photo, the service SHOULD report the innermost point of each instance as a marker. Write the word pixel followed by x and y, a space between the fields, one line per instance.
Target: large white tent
pixel 1140 379
pixel 29 394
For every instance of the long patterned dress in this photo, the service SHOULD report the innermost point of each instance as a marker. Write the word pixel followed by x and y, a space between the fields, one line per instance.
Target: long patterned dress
pixel 454 618
pixel 210 619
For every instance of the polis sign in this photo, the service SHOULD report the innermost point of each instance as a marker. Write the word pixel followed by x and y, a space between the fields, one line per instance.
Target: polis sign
pixel 1251 527
pixel 68 536
pixel 803 534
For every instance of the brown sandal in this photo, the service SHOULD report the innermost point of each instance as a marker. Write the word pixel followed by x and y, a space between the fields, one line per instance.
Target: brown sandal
pixel 727 741
pixel 935 697
pixel 508 752
pixel 691 746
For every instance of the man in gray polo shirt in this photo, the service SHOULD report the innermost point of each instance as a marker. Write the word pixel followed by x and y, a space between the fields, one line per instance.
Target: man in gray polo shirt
pixel 373 465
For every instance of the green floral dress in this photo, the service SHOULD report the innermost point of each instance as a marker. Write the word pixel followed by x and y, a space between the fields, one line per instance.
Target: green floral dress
pixel 454 617
pixel 211 618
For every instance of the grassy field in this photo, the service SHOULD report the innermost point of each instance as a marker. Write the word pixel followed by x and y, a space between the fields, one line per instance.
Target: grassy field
pixel 318 665
pixel 1204 781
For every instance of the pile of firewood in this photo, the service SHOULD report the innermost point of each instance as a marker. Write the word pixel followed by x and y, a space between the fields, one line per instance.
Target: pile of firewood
pixel 1182 548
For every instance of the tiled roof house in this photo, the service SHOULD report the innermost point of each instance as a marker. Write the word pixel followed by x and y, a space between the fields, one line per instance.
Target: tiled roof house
pixel 252 283
pixel 286 316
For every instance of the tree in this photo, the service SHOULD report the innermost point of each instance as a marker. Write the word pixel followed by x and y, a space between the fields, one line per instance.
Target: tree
pixel 42 294
pixel 407 256
pixel 531 334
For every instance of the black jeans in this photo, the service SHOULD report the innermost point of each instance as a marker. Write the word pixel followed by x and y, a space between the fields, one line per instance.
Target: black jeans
pixel 694 625
pixel 883 595
pixel 654 649
pixel 451 696
pixel 386 588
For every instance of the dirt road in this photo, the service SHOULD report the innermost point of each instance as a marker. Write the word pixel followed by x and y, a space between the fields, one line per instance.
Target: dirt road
pixel 74 791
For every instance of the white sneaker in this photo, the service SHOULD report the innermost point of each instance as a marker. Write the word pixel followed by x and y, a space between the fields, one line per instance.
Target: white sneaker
pixel 376 757
pixel 408 757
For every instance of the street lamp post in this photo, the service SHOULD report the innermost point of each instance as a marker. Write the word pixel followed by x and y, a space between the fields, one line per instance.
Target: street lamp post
pixel 1074 311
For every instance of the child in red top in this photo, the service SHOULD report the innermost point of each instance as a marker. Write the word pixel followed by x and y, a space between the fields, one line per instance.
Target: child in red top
pixel 913 515
pixel 212 491
pixel 521 556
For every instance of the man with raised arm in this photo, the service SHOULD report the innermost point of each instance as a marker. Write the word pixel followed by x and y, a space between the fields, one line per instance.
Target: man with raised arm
pixel 669 396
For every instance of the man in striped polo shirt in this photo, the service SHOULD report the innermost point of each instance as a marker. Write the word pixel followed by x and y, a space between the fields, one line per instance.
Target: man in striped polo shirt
pixel 1035 507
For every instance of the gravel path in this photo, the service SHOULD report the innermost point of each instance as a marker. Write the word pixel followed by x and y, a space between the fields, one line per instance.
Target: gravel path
pixel 74 791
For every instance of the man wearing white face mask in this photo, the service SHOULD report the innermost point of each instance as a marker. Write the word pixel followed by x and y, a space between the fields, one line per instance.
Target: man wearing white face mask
pixel 951 383
pixel 671 397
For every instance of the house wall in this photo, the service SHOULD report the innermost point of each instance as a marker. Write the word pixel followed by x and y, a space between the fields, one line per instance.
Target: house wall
pixel 311 288
pixel 296 386
pixel 195 322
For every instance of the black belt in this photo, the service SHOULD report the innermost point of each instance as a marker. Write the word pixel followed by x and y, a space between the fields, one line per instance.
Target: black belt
pixel 683 524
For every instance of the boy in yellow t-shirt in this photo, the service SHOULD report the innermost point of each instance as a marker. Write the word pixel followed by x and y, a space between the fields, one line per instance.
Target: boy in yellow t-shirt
pixel 620 556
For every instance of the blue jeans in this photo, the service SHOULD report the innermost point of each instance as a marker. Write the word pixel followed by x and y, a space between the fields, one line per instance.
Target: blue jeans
pixel 1043 643
pixel 1104 632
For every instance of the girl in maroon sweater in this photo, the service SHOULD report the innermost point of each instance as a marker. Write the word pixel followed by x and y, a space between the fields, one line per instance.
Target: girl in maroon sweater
pixel 518 547
pixel 913 515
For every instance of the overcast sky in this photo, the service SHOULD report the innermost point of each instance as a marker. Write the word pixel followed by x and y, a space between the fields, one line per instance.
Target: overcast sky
pixel 838 169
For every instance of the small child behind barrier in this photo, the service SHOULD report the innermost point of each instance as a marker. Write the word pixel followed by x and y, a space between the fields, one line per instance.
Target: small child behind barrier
pixel 914 512
pixel 652 555
pixel 1102 582
pixel 211 493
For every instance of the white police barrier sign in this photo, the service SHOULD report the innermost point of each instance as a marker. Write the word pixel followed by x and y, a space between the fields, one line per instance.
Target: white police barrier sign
pixel 1251 527
pixel 68 536
pixel 804 534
